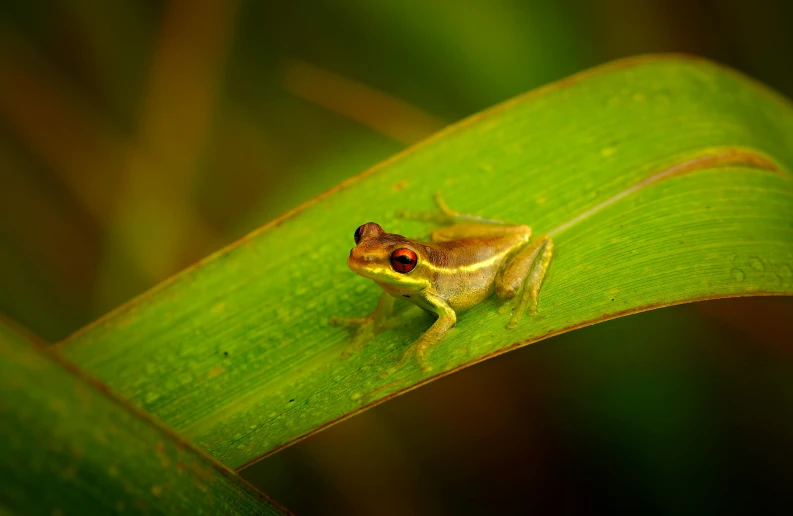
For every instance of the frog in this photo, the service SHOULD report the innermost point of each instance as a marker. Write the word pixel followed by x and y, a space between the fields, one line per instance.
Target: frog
pixel 462 264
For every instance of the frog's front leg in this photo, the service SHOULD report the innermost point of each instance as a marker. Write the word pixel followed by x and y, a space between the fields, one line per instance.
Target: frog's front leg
pixel 447 318
pixel 369 325
pixel 523 276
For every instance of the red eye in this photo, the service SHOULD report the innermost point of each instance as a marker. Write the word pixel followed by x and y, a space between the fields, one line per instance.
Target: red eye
pixel 403 260
pixel 358 233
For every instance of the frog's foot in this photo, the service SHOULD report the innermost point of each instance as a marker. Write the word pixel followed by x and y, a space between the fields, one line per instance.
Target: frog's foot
pixel 421 356
pixel 364 334
pixel 444 215
pixel 527 298
pixel 445 322
pixel 415 350
pixel 507 306
pixel 367 329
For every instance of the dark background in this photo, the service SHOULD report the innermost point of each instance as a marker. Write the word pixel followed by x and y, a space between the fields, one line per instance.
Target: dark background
pixel 136 137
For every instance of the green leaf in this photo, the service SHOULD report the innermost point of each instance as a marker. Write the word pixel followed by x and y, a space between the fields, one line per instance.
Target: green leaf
pixel 662 180
pixel 69 448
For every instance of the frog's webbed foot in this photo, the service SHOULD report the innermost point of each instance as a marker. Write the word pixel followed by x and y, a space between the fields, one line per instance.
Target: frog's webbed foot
pixel 444 215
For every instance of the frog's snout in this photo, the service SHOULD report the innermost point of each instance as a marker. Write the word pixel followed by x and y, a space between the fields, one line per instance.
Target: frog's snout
pixel 354 259
pixel 356 256
pixel 360 260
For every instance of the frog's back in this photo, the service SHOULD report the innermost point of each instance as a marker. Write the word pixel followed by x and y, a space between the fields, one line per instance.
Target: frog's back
pixel 465 269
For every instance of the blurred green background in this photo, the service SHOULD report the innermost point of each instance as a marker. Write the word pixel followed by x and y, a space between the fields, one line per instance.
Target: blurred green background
pixel 137 137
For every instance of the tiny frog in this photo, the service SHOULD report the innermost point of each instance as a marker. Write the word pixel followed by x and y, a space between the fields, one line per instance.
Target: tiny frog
pixel 462 265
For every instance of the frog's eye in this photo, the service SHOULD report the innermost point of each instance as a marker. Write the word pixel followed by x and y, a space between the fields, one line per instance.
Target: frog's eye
pixel 403 260
pixel 358 233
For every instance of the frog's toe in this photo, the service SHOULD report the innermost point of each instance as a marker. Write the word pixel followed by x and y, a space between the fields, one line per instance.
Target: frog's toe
pixel 421 358
pixel 506 307
pixel 517 315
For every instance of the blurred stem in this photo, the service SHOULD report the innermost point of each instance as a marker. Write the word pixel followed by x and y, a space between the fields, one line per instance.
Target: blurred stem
pixel 154 218
pixel 368 106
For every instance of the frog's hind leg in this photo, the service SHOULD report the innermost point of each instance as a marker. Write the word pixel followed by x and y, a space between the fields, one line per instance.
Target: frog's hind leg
pixel 523 276
pixel 446 216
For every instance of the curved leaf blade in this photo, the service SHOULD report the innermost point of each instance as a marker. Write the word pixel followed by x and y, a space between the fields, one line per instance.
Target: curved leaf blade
pixel 662 180
pixel 69 448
